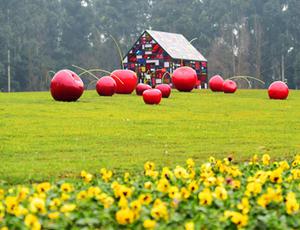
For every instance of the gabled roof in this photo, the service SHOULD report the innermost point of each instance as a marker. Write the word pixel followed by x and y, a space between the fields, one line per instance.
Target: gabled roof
pixel 176 45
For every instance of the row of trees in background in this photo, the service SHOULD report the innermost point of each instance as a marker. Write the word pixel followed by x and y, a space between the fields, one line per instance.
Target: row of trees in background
pixel 250 38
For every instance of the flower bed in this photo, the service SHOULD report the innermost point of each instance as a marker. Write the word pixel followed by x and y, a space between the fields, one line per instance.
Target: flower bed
pixel 219 194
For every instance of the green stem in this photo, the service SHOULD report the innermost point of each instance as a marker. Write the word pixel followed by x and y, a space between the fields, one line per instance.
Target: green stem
pixel 257 80
pixel 246 78
pixel 118 47
pixel 51 71
pixel 119 50
pixel 97 70
pixel 49 77
pixel 85 71
pixel 243 78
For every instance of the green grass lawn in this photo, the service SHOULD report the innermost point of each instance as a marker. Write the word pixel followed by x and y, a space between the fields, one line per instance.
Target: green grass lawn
pixel 41 139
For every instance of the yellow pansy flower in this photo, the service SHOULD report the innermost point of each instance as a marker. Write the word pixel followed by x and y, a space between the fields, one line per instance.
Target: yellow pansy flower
pixel 149 166
pixel 167 173
pixel 82 195
pixel 32 222
pixel 53 215
pixel 237 218
pixel 136 206
pixel 12 204
pixel 284 165
pixel 159 211
pixel 253 188
pixel 173 191
pixel 220 193
pixel 145 199
pixel 181 172
pixel 123 191
pixel 190 163
pixel 43 187
pixel 296 174
pixel 148 185
pixel 21 211
pixel 266 159
pixel 55 203
pixel 163 185
pixel 236 184
pixel 106 174
pixel 254 159
pixel 125 216
pixel 87 177
pixel 291 204
pixel 68 208
pixel 149 224
pixel 151 173
pixel 193 186
pixel 108 202
pixel 185 193
pixel 123 203
pixel 205 197
pixel 66 187
pixel 210 181
pixel 65 196
pixel 23 193
pixel 212 160
pixel 189 226
pixel 263 200
pixel 244 205
pixel 93 191
pixel 37 205
pixel 276 176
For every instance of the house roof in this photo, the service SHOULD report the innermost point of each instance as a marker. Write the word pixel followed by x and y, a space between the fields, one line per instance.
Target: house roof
pixel 176 45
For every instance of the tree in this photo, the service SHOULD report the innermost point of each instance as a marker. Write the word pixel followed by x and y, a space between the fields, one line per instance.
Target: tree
pixel 238 37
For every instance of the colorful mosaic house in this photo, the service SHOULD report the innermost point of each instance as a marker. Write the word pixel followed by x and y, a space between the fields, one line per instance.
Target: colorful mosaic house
pixel 157 54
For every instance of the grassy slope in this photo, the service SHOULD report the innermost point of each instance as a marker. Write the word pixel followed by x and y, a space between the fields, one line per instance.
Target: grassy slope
pixel 41 139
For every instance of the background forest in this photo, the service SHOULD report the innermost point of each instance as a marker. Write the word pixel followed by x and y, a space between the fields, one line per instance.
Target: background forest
pixel 238 37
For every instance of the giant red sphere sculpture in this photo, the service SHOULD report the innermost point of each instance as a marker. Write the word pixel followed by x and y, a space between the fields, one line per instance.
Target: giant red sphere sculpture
pixel 216 83
pixel 229 86
pixel 66 86
pixel 184 79
pixel 165 90
pixel 126 80
pixel 152 96
pixel 140 88
pixel 278 90
pixel 106 86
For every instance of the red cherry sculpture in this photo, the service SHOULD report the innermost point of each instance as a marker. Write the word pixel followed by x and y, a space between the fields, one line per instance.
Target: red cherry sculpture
pixel 184 79
pixel 229 86
pixel 152 96
pixel 126 80
pixel 140 88
pixel 216 83
pixel 106 86
pixel 278 90
pixel 66 86
pixel 165 90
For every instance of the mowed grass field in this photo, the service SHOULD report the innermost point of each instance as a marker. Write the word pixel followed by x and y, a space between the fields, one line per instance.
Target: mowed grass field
pixel 41 139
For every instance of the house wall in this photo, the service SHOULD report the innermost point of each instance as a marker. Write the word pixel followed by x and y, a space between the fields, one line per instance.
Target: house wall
pixel 153 65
